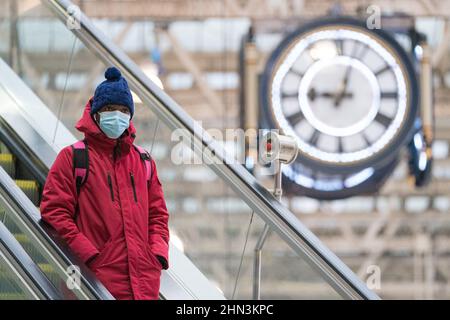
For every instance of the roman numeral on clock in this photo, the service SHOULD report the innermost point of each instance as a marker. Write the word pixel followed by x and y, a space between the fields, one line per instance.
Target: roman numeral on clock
pixel 340 145
pixel 382 119
pixel 297 73
pixel 389 95
pixel 314 137
pixel 339 46
pixel 295 117
pixel 286 95
pixel 382 70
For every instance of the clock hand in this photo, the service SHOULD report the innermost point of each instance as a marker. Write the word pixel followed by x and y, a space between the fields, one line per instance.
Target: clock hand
pixel 344 83
pixel 343 88
pixel 313 94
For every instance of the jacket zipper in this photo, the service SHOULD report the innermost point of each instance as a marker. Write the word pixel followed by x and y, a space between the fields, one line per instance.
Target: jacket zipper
pixel 110 187
pixel 134 187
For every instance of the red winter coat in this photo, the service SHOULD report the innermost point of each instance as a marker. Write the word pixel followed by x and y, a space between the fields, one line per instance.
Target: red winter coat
pixel 117 236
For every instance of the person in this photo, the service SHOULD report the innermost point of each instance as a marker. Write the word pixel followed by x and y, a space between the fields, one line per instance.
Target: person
pixel 117 221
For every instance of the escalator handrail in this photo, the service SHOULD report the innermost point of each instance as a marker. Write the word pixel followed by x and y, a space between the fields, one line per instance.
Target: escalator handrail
pixel 279 218
pixel 30 272
pixel 30 214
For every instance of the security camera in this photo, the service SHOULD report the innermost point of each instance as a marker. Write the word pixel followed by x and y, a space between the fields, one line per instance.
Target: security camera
pixel 274 146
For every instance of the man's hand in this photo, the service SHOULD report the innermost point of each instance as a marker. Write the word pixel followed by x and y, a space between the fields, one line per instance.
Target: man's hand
pixel 163 261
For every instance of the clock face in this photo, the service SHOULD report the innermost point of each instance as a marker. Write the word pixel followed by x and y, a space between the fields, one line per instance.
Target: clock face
pixel 344 92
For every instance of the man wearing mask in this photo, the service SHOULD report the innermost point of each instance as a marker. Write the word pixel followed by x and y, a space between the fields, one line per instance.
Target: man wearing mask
pixel 116 220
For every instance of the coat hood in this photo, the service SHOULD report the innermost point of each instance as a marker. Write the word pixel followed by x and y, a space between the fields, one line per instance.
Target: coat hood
pixel 95 136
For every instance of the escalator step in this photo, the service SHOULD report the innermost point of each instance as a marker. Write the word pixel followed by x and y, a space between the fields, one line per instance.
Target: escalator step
pixel 7 161
pixel 10 290
pixel 30 248
pixel 12 296
pixel 50 273
pixel 21 238
pixel 4 148
pixel 46 268
pixel 30 188
pixel 9 223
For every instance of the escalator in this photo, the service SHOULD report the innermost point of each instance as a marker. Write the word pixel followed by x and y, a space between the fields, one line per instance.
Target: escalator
pixel 27 154
pixel 31 136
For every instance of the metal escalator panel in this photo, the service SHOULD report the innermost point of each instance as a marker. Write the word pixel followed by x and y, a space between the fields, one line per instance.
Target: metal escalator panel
pixel 217 196
pixel 20 277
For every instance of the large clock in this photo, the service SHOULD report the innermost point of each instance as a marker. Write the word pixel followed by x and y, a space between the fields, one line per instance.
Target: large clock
pixel 349 95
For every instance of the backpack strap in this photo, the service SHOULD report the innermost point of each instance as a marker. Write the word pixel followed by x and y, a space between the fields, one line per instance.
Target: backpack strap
pixel 80 163
pixel 145 156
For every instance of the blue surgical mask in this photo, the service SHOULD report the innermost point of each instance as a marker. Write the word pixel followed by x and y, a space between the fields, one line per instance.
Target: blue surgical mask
pixel 114 123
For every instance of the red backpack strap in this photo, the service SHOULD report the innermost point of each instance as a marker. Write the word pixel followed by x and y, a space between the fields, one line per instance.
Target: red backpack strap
pixel 80 163
pixel 145 156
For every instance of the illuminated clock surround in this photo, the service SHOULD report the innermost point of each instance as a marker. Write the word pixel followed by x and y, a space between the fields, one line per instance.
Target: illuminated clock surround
pixel 342 33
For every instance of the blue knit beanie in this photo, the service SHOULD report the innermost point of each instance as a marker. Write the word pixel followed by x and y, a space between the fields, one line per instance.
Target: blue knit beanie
pixel 114 90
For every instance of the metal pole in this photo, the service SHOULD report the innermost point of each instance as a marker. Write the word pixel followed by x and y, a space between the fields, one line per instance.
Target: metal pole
pixel 426 96
pixel 277 191
pixel 257 264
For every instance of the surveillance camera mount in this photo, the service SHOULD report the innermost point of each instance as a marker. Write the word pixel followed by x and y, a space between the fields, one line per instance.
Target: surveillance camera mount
pixel 277 149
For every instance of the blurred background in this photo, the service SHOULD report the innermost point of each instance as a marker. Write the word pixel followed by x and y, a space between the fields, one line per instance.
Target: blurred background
pixel 212 57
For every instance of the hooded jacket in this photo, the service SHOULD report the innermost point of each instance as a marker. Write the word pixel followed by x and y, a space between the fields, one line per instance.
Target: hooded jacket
pixel 118 224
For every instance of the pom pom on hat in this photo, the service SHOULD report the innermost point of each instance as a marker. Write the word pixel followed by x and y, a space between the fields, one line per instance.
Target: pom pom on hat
pixel 112 73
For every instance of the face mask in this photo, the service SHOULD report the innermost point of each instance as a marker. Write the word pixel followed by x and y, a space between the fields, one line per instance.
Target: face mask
pixel 114 123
